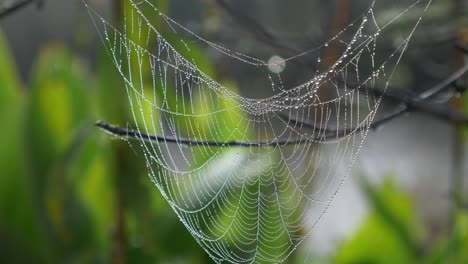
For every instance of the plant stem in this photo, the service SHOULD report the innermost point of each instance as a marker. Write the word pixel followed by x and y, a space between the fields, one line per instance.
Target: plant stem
pixel 458 144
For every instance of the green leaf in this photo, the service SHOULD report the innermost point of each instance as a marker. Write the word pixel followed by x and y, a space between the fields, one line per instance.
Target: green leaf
pixel 59 102
pixel 17 214
pixel 389 234
pixel 453 249
pixel 58 124
pixel 9 77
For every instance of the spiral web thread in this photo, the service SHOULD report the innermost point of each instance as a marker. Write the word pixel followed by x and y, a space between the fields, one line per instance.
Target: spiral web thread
pixel 253 176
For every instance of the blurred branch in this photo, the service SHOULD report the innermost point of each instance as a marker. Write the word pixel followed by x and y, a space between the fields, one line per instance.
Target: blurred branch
pixel 409 104
pixel 341 20
pixel 9 7
pixel 401 96
pixel 462 48
pixel 262 34
pixel 416 103
pixel 407 101
pixel 256 29
pixel 419 103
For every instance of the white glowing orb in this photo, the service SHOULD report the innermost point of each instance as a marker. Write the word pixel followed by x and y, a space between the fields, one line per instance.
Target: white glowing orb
pixel 276 64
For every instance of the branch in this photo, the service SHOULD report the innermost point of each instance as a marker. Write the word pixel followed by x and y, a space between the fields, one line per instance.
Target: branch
pixel 263 35
pixel 417 103
pixel 462 48
pixel 9 7
pixel 442 112
pixel 257 29
pixel 409 103
pixel 399 95
pixel 137 134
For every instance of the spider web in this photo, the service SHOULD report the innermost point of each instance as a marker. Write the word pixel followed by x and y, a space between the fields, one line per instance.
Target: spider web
pixel 248 177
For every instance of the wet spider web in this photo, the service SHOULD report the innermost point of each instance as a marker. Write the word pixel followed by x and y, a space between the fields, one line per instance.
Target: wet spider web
pixel 250 177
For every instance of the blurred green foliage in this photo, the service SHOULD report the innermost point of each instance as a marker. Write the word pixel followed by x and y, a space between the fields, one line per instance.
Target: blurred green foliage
pixel 391 226
pixel 392 233
pixel 68 194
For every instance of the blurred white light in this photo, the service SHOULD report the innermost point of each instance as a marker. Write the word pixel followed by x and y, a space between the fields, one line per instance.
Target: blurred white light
pixel 276 64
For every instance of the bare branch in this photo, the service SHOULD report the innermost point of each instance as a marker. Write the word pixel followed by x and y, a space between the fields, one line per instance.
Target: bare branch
pixel 462 48
pixel 257 29
pixel 136 134
pixel 413 103
pixel 417 103
pixel 9 7
pixel 408 102
pixel 398 95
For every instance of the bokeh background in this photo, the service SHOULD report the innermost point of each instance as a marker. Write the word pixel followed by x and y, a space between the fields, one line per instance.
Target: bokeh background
pixel 70 193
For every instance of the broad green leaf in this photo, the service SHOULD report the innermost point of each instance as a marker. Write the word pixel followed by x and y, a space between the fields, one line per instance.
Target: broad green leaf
pixel 58 125
pixel 59 102
pixel 17 213
pixel 392 213
pixel 91 174
pixel 9 77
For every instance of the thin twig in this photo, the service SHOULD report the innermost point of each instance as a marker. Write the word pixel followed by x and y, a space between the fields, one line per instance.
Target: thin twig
pixel 409 104
pixel 262 34
pixel 419 103
pixel 136 134
pixel 257 29
pixel 463 48
pixel 9 7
